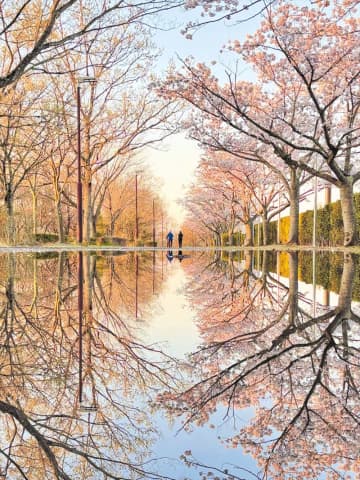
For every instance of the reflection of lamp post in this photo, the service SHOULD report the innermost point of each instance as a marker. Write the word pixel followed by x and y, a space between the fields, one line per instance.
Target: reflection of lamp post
pixel 136 284
pixel 92 81
pixel 80 314
pixel 153 272
pixel 83 406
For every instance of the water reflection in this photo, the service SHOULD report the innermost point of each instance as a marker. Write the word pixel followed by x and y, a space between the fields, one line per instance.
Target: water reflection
pixel 263 348
pixel 85 385
pixel 72 368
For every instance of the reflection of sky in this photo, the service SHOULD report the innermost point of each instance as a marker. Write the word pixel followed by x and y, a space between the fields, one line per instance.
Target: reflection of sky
pixel 205 444
pixel 175 329
pixel 173 326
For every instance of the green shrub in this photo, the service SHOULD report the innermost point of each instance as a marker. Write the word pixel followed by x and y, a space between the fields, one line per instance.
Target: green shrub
pixel 150 244
pixel 323 226
pixel 272 233
pixel 46 237
pixel 306 221
pixel 284 229
pixel 238 238
pixel 329 226
pixel 336 224
pixel 329 267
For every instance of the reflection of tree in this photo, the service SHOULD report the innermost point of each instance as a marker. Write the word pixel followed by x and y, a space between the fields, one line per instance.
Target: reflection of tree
pixel 298 371
pixel 127 283
pixel 44 432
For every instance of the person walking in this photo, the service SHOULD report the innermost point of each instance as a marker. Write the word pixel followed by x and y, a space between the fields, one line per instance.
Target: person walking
pixel 169 239
pixel 180 238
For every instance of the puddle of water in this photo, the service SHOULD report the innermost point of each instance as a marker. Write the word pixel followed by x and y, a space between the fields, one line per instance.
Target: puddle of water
pixel 105 357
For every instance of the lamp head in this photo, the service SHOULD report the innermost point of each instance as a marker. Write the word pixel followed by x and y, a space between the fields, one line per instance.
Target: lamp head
pixel 87 79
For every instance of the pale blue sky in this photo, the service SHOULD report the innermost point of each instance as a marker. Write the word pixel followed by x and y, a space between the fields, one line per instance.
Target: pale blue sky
pixel 176 162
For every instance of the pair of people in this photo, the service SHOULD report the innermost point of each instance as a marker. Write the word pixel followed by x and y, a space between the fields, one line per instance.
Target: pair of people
pixel 170 238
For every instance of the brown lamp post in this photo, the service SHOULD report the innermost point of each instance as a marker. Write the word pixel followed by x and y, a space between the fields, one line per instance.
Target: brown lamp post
pixel 92 81
pixel 136 210
pixel 153 219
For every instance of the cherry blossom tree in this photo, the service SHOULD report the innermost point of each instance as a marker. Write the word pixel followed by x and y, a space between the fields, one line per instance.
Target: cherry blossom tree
pixel 303 105
pixel 33 33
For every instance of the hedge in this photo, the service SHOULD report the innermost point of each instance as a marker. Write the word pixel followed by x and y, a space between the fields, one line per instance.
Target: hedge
pixel 329 227
pixel 329 267
pixel 238 238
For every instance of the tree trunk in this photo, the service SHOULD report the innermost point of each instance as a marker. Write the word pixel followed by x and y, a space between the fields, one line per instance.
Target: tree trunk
pixel 293 286
pixel 9 201
pixel 58 287
pixel 231 269
pixel 221 240
pixel 93 226
pixel 8 316
pixel 34 212
pixel 249 241
pixel 112 227
pixel 346 286
pixel 60 222
pixel 348 215
pixel 294 207
pixel 35 287
pixel 344 306
pixel 248 267
pixel 89 275
pixel 231 239
pixel 265 266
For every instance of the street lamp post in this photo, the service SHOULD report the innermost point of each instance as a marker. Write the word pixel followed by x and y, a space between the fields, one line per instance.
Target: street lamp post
pixel 92 81
pixel 79 183
pixel 278 219
pixel 315 207
pixel 136 210
pixel 153 229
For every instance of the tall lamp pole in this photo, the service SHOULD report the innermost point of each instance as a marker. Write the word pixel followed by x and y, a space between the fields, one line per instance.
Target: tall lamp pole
pixel 79 183
pixel 136 209
pixel 315 210
pixel 153 229
pixel 92 81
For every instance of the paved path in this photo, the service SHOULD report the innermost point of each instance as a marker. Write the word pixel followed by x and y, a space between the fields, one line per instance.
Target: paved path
pixel 100 248
pixel 76 248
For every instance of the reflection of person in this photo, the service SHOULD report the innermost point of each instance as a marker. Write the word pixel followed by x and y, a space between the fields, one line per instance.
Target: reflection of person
pixel 180 238
pixel 170 256
pixel 169 239
pixel 180 256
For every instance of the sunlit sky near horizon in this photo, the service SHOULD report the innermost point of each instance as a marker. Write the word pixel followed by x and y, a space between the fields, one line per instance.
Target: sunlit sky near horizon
pixel 176 161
